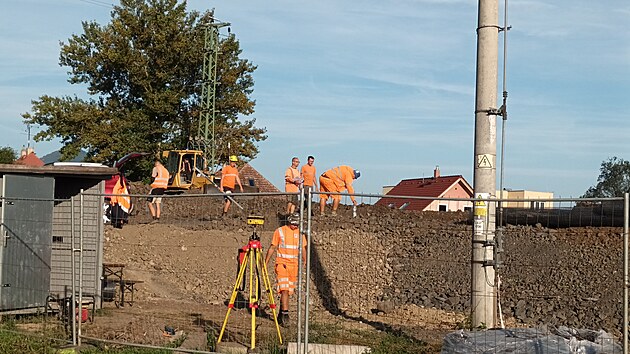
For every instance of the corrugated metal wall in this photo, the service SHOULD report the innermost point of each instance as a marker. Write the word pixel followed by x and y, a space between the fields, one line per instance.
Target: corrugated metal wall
pixel 61 272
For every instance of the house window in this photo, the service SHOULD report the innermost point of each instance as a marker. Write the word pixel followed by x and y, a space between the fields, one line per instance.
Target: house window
pixel 467 208
pixel 443 207
pixel 57 239
pixel 252 183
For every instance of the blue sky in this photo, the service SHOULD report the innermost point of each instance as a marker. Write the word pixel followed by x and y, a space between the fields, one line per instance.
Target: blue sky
pixel 385 86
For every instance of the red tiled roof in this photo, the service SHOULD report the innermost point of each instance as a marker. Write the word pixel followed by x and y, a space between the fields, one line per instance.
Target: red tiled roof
pixel 434 187
pixel 30 160
pixel 247 172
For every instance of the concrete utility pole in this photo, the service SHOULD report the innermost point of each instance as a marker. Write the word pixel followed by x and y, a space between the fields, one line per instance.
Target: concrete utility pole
pixel 483 295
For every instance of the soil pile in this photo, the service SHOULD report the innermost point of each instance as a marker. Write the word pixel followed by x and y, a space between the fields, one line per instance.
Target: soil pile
pixel 384 263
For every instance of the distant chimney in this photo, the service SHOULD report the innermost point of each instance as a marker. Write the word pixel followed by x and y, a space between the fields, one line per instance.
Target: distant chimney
pixel 30 150
pixel 23 152
pixel 436 172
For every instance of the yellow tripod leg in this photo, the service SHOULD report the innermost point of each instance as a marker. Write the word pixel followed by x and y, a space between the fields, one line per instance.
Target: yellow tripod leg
pixel 239 279
pixel 272 304
pixel 252 299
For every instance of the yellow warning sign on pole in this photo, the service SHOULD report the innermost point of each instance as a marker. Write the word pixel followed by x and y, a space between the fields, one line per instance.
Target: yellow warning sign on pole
pixel 481 206
pixel 485 161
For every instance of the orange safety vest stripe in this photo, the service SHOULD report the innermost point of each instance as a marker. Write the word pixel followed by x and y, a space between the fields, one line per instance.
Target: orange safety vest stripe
pixel 161 180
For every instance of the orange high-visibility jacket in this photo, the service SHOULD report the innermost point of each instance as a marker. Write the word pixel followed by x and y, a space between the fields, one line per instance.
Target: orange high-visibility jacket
pixel 309 173
pixel 122 198
pixel 291 174
pixel 161 177
pixel 287 240
pixel 228 176
pixel 342 176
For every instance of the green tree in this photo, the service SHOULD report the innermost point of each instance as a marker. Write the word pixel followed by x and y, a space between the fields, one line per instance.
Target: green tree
pixel 7 155
pixel 143 73
pixel 613 180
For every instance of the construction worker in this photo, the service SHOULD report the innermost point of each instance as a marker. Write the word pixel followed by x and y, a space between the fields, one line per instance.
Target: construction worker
pixel 336 180
pixel 158 187
pixel 286 240
pixel 292 182
pixel 186 170
pixel 229 179
pixel 309 174
pixel 120 203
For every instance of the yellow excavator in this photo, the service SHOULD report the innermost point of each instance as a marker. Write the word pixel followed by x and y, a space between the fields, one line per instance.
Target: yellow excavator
pixel 187 169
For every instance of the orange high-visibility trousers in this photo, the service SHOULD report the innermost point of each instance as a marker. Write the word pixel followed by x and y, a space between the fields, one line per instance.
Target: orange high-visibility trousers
pixel 328 185
pixel 286 277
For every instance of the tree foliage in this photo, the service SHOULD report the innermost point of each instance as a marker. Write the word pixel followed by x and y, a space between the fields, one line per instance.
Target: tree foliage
pixel 613 180
pixel 143 73
pixel 7 155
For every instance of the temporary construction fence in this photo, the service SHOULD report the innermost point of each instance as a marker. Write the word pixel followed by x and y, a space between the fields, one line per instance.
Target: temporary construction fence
pixel 384 271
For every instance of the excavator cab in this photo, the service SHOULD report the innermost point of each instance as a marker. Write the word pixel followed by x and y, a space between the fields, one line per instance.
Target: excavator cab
pixel 185 168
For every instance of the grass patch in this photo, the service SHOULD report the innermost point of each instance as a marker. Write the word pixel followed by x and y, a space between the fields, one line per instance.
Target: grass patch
pixel 30 334
pixel 126 351
pixel 402 344
pixel 11 342
pixel 45 340
pixel 380 342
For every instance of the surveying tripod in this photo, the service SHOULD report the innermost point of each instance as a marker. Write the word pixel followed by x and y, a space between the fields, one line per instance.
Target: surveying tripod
pixel 255 260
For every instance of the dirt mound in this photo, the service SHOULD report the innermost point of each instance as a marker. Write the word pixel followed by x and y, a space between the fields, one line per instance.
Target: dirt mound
pixel 384 268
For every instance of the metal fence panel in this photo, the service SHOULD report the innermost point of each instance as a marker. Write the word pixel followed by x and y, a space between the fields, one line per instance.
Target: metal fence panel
pixel 402 272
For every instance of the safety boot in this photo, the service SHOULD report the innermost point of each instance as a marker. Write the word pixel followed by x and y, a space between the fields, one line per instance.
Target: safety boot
pixel 284 319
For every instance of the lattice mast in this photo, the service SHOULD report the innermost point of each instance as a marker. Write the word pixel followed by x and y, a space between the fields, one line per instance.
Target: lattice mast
pixel 206 134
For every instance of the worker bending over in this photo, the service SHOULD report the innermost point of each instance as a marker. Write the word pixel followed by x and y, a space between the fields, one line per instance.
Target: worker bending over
pixel 286 240
pixel 336 180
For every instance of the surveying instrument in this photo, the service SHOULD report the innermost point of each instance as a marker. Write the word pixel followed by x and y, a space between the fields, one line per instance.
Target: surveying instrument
pixel 254 259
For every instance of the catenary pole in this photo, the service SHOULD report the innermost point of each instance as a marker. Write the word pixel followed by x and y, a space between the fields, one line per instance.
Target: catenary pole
pixel 483 294
pixel 206 133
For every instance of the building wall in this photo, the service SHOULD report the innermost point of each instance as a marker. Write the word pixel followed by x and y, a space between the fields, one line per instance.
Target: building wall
pixel 61 264
pixel 525 194
pixel 386 189
pixel 457 191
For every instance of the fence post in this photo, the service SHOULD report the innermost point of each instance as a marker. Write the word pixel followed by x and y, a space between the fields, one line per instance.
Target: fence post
pixel 626 213
pixel 308 267
pixel 74 275
pixel 80 302
pixel 300 267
